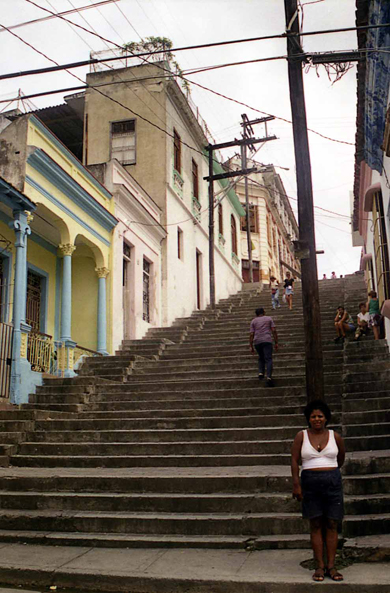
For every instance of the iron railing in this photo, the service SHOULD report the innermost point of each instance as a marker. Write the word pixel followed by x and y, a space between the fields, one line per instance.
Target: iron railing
pixel 40 351
pixel 6 337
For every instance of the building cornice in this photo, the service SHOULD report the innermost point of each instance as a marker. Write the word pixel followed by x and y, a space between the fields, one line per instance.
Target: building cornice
pixel 129 203
pixel 44 164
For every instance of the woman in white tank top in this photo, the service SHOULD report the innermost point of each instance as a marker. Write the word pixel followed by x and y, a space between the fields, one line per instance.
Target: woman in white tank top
pixel 321 453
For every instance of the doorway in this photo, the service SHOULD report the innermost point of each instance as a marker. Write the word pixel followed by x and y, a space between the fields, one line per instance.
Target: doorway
pixel 126 287
pixel 198 279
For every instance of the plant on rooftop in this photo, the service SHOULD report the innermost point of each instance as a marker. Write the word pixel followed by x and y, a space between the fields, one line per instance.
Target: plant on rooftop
pixel 157 45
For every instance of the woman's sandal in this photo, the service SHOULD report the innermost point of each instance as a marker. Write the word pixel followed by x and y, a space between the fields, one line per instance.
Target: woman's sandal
pixel 319 574
pixel 334 574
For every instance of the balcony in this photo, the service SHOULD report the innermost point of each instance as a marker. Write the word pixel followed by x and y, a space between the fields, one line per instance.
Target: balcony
pixel 236 261
pixel 196 209
pixel 178 183
pixel 221 242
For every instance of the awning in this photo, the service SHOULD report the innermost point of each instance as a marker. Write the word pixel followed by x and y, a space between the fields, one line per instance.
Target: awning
pixel 364 260
pixel 369 196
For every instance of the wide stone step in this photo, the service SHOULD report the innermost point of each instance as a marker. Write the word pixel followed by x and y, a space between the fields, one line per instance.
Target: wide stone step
pixel 123 423
pixel 129 448
pixel 151 523
pixel 368 442
pixel 132 461
pixel 196 412
pixel 363 417
pixel 158 480
pixel 366 485
pixel 366 525
pixel 368 462
pixel 132 540
pixel 155 502
pixel 374 430
pixel 178 503
pixel 164 435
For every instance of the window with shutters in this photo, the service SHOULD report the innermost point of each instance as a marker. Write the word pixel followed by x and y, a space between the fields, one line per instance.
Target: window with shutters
pixel 195 180
pixel 252 219
pixel 176 151
pixel 234 234
pixel 220 219
pixel 146 290
pixel 123 141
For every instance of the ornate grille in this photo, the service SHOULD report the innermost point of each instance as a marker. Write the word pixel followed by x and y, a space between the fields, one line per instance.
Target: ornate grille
pixel 146 291
pixel 33 304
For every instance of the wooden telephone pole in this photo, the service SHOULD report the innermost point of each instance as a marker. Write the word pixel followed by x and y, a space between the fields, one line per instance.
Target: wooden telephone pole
pixel 306 245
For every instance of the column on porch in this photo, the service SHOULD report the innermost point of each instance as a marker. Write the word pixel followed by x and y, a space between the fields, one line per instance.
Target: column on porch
pixel 19 350
pixel 102 311
pixel 67 345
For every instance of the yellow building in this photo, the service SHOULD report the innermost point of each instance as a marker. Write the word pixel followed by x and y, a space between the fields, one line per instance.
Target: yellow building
pixel 63 250
pixel 272 221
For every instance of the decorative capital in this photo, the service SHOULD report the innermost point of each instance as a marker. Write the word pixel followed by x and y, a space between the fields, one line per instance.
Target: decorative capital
pixel 30 217
pixel 21 228
pixel 66 248
pixel 102 272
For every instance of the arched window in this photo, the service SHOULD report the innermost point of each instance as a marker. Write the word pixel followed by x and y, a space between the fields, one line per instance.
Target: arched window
pixel 220 219
pixel 233 227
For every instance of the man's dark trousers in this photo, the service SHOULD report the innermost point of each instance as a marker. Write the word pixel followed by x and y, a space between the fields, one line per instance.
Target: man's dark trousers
pixel 264 350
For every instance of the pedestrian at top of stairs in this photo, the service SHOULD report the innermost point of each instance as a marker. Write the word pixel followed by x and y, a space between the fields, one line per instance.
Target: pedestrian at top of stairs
pixel 262 331
pixel 343 323
pixel 274 286
pixel 322 453
pixel 289 290
pixel 375 320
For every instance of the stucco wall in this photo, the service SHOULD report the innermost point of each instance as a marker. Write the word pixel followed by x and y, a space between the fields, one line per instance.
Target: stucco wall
pixel 84 301
pixel 146 98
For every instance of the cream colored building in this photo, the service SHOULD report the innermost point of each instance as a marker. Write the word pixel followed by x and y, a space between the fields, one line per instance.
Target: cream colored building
pixel 273 224
pixel 161 141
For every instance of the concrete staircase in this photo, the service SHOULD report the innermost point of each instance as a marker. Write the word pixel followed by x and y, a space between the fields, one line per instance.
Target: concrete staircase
pixel 174 442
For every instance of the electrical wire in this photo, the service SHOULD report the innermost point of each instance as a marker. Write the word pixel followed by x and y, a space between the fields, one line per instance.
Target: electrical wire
pixel 184 78
pixel 46 18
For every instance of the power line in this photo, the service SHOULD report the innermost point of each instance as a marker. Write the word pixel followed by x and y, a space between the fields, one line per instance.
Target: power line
pixel 181 76
pixel 46 18
pixel 296 199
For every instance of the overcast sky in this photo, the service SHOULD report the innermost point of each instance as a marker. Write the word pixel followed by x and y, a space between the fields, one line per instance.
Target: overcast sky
pixel 331 108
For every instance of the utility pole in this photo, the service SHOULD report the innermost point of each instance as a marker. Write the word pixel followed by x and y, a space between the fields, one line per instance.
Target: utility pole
pixel 306 245
pixel 248 133
pixel 211 229
pixel 211 178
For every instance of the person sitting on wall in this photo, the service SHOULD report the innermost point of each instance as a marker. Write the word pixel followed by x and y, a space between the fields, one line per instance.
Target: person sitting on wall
pixel 363 319
pixel 333 276
pixel 343 322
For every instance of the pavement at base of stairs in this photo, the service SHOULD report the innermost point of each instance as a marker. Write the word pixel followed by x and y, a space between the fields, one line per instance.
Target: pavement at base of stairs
pixel 175 571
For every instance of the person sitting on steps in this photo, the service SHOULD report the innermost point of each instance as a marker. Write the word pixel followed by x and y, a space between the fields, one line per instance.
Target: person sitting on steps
pixel 362 321
pixel 343 322
pixel 262 330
